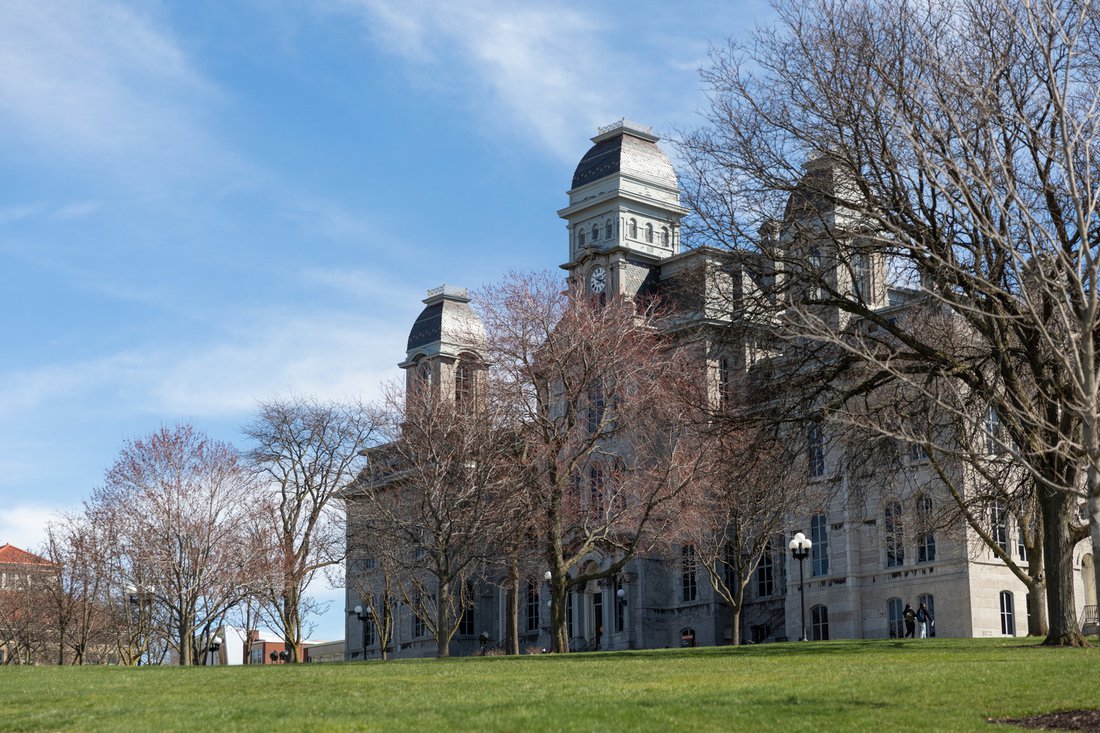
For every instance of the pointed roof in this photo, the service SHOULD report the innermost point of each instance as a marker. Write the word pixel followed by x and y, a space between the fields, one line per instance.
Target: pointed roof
pixel 12 555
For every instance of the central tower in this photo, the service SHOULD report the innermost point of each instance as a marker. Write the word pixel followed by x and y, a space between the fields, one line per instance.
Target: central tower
pixel 624 213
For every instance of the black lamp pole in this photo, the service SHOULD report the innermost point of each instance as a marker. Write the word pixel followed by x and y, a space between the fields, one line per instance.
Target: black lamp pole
pixel 800 548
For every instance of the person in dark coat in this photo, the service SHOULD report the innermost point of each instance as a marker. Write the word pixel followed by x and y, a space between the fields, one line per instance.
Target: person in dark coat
pixel 910 617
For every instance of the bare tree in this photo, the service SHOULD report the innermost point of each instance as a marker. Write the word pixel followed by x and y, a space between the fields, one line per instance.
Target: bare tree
pixel 956 144
pixel 743 496
pixel 180 500
pixel 604 449
pixel 431 501
pixel 309 451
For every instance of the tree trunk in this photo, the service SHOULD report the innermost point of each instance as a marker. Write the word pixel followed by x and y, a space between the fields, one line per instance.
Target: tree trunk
pixel 559 599
pixel 442 639
pixel 511 609
pixel 1037 624
pixel 1057 509
pixel 735 624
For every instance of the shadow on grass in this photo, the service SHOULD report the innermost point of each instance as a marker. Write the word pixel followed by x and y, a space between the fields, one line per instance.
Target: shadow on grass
pixel 792 649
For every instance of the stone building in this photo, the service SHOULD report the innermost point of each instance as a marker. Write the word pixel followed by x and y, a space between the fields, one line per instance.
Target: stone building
pixel 624 219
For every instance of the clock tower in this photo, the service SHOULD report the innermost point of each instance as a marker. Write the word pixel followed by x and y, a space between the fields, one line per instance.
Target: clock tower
pixel 624 214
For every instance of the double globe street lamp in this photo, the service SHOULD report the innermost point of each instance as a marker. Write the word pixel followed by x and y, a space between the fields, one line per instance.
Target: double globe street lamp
pixel 800 549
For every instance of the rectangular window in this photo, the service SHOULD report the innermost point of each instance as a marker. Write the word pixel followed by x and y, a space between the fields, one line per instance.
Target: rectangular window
pixel 926 540
pixel 819 552
pixel 466 622
pixel 996 437
pixel 895 618
pixel 765 574
pixel 893 535
pixel 723 382
pixel 689 589
pixel 533 608
pixel 729 566
pixel 998 524
pixel 419 627
pixel 1021 545
pixel 369 639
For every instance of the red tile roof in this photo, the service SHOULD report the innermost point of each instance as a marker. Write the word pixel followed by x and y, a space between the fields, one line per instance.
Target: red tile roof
pixel 12 555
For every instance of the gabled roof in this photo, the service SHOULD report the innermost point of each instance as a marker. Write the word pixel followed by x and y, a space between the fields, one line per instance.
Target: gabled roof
pixel 12 555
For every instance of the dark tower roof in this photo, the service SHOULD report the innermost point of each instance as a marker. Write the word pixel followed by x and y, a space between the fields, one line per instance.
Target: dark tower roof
pixel 628 148
pixel 447 318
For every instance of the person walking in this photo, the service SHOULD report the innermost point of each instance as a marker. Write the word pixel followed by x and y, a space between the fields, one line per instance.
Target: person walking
pixel 924 618
pixel 910 617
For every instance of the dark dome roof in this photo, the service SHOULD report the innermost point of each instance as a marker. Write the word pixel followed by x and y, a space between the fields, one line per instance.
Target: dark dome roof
pixel 628 148
pixel 447 318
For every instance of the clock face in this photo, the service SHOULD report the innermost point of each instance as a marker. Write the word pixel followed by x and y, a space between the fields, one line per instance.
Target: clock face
pixel 597 280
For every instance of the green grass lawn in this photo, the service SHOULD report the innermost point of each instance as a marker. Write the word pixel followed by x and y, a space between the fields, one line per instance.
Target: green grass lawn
pixel 887 686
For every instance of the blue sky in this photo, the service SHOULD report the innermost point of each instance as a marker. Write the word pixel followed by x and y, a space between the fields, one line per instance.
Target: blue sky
pixel 207 204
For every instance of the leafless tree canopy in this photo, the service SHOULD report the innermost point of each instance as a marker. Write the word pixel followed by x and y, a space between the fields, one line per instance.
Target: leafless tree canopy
pixel 954 143
pixel 306 452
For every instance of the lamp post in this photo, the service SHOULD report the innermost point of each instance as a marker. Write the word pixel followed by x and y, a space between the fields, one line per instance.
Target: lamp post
pixel 800 548
pixel 364 616
pixel 213 646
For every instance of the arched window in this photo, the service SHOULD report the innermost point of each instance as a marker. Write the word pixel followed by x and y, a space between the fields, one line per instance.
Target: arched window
pixel 892 534
pixel 596 405
pixel 819 623
pixel 815 450
pixel 930 607
pixel 926 537
pixel 633 229
pixel 649 233
pixel 424 374
pixel 595 485
pixel 894 619
pixel 1088 576
pixel 664 236
pixel 607 230
pixel 580 236
pixel 464 382
pixel 1008 614
pixel 595 232
pixel 819 553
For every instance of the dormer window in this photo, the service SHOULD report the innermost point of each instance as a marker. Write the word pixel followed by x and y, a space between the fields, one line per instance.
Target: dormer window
pixel 649 233
pixel 633 229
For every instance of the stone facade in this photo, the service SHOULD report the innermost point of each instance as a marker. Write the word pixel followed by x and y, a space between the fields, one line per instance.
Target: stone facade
pixel 623 219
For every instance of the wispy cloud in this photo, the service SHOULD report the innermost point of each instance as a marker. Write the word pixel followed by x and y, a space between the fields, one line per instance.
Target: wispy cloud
pixel 98 81
pixel 551 68
pixel 324 355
